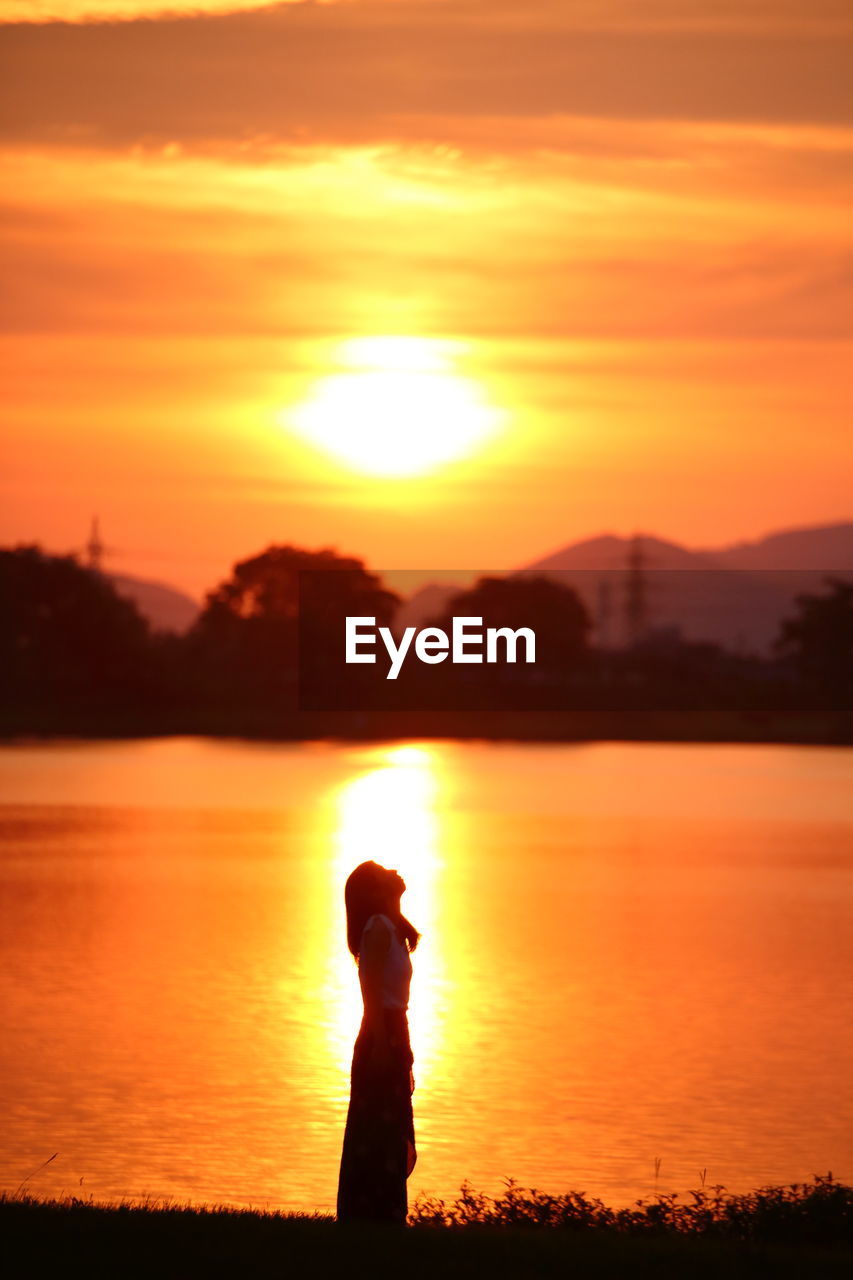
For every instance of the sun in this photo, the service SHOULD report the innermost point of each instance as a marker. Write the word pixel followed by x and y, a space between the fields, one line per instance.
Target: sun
pixel 396 407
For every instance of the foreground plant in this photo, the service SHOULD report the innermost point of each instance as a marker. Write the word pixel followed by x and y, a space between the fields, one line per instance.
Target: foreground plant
pixel 820 1211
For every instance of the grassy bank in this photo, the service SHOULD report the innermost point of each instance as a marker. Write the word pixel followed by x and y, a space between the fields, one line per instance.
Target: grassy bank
pixel 781 1232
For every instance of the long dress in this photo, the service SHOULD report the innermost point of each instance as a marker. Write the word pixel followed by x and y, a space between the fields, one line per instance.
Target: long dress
pixel 379 1139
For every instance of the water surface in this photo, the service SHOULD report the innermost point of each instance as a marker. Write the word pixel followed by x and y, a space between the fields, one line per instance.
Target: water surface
pixel 631 953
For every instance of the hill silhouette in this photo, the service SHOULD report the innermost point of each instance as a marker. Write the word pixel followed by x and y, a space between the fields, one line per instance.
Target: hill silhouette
pixel 735 596
pixel 165 607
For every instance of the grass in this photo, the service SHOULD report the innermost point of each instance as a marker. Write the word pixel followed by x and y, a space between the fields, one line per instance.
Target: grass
pixel 788 1231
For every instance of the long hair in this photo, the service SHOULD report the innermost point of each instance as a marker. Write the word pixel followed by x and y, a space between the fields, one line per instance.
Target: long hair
pixel 364 897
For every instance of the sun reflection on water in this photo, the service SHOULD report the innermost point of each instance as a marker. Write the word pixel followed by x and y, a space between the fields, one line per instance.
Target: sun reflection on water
pixel 389 813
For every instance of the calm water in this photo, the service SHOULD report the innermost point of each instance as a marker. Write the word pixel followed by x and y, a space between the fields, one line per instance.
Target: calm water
pixel 630 953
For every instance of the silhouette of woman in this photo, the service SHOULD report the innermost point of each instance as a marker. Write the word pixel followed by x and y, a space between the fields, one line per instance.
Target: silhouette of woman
pixel 379 1139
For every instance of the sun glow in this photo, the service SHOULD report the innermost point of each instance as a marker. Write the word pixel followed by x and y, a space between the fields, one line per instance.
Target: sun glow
pixel 389 812
pixel 396 408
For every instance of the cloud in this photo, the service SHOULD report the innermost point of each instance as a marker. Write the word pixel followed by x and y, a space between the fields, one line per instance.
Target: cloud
pixel 360 241
pixel 307 71
pixel 561 15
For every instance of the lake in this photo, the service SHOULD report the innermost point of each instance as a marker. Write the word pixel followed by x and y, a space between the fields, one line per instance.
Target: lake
pixel 633 955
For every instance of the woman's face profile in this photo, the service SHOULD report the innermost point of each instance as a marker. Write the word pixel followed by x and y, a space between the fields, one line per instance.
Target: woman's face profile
pixel 399 882
pixel 391 883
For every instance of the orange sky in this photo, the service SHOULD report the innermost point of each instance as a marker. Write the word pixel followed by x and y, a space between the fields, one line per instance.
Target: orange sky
pixel 618 233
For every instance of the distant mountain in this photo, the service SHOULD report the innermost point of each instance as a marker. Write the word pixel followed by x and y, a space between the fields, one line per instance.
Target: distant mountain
pixel 736 596
pixel 824 548
pixel 166 608
pixel 425 603
pixel 797 561
pixel 819 549
pixel 611 552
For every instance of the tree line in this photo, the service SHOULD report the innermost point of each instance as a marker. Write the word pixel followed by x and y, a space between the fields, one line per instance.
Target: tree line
pixel 266 657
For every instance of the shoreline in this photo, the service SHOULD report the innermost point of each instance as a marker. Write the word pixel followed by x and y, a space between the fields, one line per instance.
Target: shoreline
pixel 805 728
pixel 787 1231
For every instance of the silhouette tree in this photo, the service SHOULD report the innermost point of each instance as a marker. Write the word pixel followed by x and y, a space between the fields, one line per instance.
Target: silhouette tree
pixel 818 642
pixel 553 611
pixel 71 649
pixel 561 626
pixel 243 651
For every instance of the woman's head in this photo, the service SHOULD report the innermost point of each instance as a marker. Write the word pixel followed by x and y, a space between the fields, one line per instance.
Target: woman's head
pixel 372 889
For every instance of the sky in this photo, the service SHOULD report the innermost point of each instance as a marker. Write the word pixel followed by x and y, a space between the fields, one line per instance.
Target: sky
pixel 440 283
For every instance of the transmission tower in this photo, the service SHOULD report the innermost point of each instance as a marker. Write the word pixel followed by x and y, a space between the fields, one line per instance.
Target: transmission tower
pixel 95 548
pixel 604 611
pixel 636 592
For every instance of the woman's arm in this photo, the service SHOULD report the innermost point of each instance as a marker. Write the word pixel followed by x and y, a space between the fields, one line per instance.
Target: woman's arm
pixel 371 967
